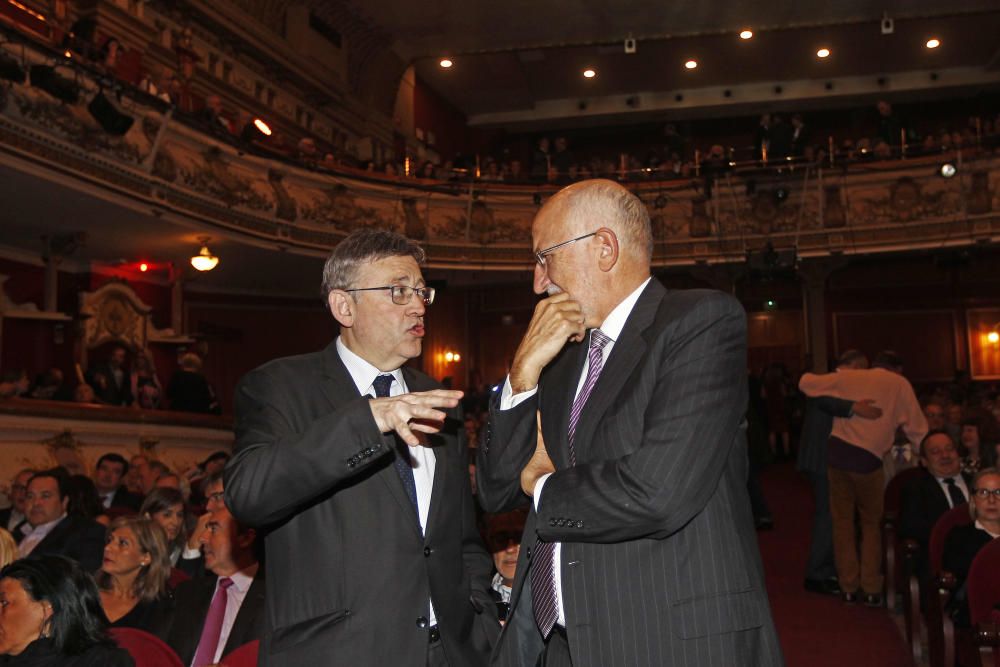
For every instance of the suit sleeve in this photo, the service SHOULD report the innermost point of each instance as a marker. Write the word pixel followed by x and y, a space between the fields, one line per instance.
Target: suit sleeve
pixel 835 407
pixel 276 468
pixel 690 425
pixel 508 446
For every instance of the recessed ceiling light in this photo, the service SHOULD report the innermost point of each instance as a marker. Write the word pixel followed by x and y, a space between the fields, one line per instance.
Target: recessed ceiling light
pixel 589 73
pixel 446 63
pixel 933 43
pixel 823 53
pixel 691 64
pixel 746 34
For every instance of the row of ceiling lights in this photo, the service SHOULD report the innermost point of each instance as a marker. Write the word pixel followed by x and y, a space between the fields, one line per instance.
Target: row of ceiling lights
pixel 823 52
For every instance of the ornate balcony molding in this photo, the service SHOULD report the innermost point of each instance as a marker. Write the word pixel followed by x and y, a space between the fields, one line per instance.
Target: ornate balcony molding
pixel 190 176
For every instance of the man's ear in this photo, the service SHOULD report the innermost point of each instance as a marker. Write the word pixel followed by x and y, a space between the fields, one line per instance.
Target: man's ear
pixel 609 251
pixel 341 307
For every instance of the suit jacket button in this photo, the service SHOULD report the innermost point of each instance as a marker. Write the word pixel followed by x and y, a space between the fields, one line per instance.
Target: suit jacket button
pixel 427 551
pixel 421 621
pixel 552 522
pixel 579 524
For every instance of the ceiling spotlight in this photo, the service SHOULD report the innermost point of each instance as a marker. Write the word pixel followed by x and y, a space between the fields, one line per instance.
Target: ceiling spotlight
pixel 823 53
pixel 204 260
pixel 746 34
pixel 589 74
pixel 947 170
pixel 143 267
pixel 446 63
pixel 933 43
pixel 691 64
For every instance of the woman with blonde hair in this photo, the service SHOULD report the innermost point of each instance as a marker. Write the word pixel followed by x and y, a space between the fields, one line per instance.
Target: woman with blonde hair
pixel 133 577
pixel 8 548
pixel 964 542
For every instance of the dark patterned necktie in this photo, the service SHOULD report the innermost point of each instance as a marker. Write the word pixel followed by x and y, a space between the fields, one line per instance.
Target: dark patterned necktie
pixel 957 497
pixel 543 583
pixel 402 463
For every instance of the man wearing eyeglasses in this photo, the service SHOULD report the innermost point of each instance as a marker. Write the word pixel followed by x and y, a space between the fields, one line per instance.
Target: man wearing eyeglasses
pixel 622 418
pixel 356 466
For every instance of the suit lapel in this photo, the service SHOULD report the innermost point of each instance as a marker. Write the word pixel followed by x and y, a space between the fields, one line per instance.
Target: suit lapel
pixel 338 387
pixel 625 356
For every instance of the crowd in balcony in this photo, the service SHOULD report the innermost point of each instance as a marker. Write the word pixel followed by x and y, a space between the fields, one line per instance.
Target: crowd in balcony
pixel 122 382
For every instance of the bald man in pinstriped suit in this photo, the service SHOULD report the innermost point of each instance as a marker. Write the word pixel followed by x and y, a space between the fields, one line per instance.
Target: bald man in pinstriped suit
pixel 622 417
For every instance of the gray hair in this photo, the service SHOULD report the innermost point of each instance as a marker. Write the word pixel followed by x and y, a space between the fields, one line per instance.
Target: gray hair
pixel 611 204
pixel 364 246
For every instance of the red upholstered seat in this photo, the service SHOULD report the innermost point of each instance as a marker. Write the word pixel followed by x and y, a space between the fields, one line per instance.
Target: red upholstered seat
pixel 244 656
pixel 956 516
pixel 984 583
pixel 147 650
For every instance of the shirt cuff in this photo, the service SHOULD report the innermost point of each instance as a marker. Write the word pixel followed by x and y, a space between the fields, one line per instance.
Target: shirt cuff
pixel 537 497
pixel 509 400
pixel 190 554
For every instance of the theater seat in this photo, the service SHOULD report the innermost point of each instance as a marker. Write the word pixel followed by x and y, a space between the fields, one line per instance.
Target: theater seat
pixel 147 650
pixel 984 596
pixel 940 631
pixel 244 656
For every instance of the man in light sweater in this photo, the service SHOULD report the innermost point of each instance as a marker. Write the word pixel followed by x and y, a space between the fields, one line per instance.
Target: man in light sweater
pixel 855 452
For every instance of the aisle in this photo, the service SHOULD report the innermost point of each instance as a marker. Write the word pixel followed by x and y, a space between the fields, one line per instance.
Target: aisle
pixel 816 630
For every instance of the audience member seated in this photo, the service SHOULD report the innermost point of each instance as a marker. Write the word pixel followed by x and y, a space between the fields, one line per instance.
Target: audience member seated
pixel 133 475
pixel 929 496
pixel 235 591
pixel 964 542
pixel 110 381
pixel 14 384
pixel 85 394
pixel 166 507
pixel 52 617
pixel 108 477
pixel 934 412
pixel 84 502
pixel 150 473
pixel 133 577
pixel 15 517
pixel 213 116
pixel 145 385
pixel 49 387
pixel 52 531
pixel 198 475
pixel 978 442
pixel 503 536
pixel 8 548
pixel 188 390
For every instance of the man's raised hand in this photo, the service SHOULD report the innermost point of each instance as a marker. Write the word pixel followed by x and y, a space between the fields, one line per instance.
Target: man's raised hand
pixel 417 411
pixel 557 320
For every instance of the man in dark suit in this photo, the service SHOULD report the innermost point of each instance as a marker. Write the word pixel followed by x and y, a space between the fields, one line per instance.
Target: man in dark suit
pixel 108 475
pixel 640 549
pixel 53 532
pixel 821 574
pixel 358 468
pixel 236 591
pixel 110 380
pixel 14 517
pixel 927 497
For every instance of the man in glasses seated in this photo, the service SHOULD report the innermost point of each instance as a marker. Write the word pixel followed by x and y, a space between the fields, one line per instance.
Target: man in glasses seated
pixel 356 467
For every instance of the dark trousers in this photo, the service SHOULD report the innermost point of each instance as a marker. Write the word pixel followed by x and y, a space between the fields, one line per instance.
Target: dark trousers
pixel 820 564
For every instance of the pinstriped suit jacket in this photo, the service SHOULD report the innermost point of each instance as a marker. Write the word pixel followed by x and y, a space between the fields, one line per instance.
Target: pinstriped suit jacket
pixel 660 564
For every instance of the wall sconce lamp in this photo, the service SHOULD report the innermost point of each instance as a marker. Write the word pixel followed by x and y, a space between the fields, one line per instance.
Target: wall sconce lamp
pixel 204 260
pixel 452 357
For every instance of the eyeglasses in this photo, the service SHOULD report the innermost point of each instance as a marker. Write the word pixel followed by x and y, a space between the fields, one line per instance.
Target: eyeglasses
pixel 402 294
pixel 540 255
pixel 985 493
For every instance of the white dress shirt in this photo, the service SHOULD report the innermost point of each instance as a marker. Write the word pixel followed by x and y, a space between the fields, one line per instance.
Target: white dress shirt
pixel 235 595
pixel 35 536
pixel 959 482
pixel 422 459
pixel 612 328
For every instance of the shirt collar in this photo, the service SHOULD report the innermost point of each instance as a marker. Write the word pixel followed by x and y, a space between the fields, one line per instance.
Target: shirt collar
pixel 986 530
pixel 243 578
pixel 44 528
pixel 615 321
pixel 362 372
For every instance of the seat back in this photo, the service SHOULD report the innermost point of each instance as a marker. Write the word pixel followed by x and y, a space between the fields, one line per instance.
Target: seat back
pixel 984 582
pixel 243 656
pixel 956 516
pixel 147 650
pixel 893 494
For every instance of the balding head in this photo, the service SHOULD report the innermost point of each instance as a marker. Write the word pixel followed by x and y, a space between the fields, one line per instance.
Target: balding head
pixel 588 205
pixel 593 242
